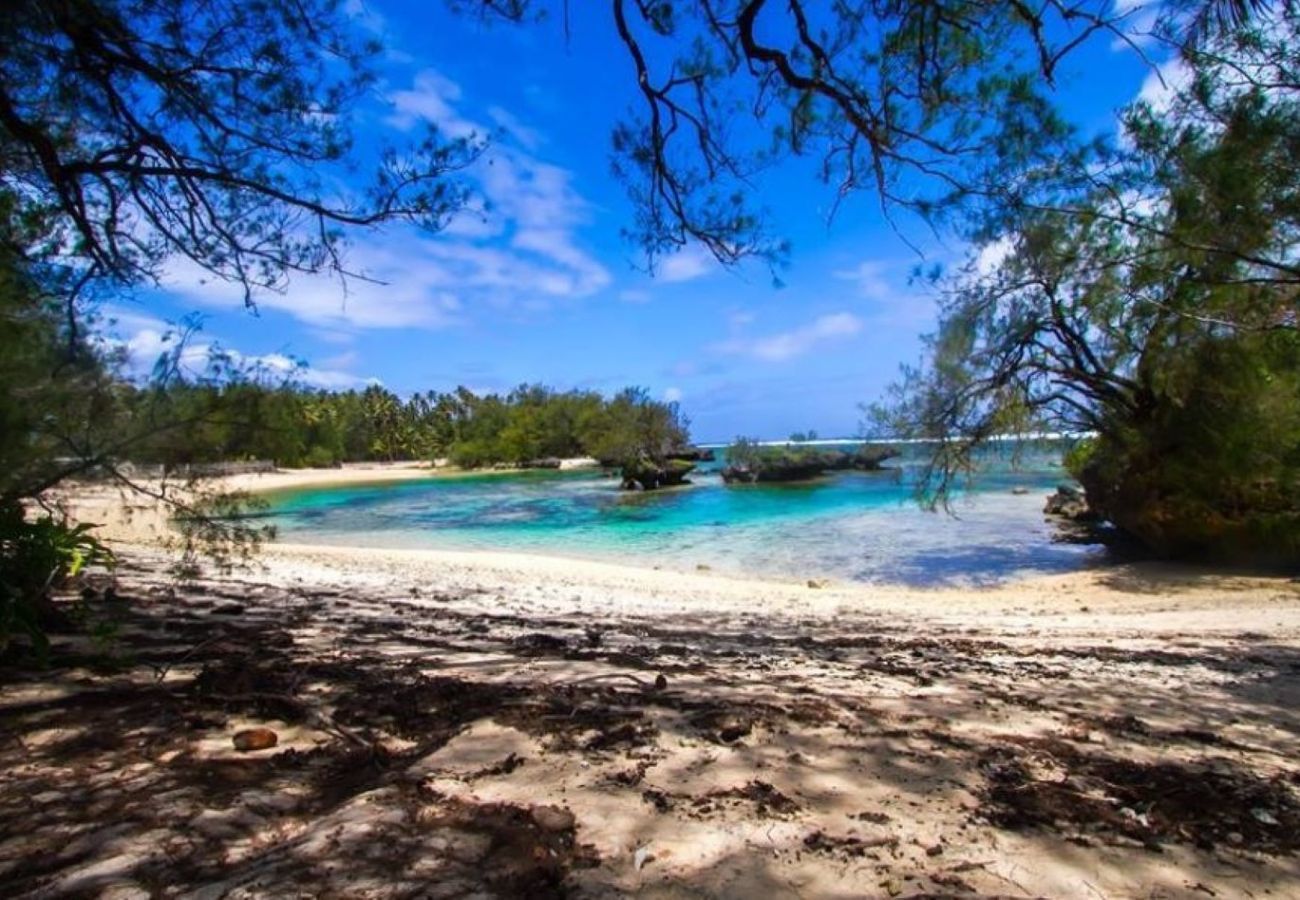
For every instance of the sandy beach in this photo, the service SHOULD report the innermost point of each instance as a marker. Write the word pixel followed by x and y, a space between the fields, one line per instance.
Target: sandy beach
pixel 492 724
pixel 124 516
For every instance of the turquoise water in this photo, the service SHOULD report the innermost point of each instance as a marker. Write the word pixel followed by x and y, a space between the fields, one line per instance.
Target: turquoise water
pixel 858 526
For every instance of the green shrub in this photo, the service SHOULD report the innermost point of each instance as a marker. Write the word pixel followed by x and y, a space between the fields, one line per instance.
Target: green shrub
pixel 1212 472
pixel 1078 457
pixel 320 458
pixel 36 557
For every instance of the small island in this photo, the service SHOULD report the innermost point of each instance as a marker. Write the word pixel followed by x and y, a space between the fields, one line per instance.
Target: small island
pixel 748 462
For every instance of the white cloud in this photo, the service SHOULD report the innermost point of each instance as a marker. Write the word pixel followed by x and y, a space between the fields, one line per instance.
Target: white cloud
pixel 1136 22
pixel 144 339
pixel 528 138
pixel 430 99
pixel 634 295
pixel 503 277
pixel 518 238
pixel 345 360
pixel 888 305
pixel 147 345
pixel 1161 83
pixel 331 336
pixel 789 344
pixel 993 254
pixel 473 221
pixel 869 276
pixel 366 16
pixel 672 395
pixel 515 245
pixel 408 289
pixel 277 364
pixel 581 275
pixel 685 265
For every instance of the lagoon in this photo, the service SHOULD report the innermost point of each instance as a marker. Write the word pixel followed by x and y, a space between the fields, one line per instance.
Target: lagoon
pixel 855 526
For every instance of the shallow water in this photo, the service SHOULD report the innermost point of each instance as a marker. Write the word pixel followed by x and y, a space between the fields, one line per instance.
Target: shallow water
pixel 858 526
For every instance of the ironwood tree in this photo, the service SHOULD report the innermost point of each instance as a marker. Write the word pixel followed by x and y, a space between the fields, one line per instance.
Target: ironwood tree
pixel 1155 304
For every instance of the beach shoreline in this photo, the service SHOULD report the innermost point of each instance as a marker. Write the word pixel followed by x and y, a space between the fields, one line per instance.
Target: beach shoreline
pixel 135 523
pixel 126 516
pixel 374 473
pixel 1138 596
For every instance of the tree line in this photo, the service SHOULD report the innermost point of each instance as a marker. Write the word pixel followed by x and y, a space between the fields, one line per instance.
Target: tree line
pixel 296 426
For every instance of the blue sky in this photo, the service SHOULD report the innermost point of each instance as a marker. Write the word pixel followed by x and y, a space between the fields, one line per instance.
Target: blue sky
pixel 542 287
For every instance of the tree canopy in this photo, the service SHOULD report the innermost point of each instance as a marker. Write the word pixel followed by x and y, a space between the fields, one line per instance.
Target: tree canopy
pixel 231 414
pixel 931 106
pixel 1154 304
pixel 137 131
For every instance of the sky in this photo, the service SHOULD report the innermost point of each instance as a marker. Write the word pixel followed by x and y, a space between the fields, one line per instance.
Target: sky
pixel 535 282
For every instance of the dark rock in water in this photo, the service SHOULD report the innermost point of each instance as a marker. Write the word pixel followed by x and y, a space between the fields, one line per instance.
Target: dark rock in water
pixel 863 459
pixel 1069 503
pixel 1020 490
pixel 546 462
pixel 790 470
pixel 648 474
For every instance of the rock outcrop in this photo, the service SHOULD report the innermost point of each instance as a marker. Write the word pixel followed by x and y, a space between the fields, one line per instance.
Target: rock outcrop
pixel 863 459
pixel 780 464
pixel 648 475
pixel 1069 503
pixel 775 470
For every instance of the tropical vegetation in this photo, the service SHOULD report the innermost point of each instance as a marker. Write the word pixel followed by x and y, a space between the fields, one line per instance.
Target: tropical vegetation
pixel 1147 296
pixel 290 425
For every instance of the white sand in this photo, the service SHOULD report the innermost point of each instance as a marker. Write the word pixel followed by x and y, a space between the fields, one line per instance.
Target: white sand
pixel 1150 596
